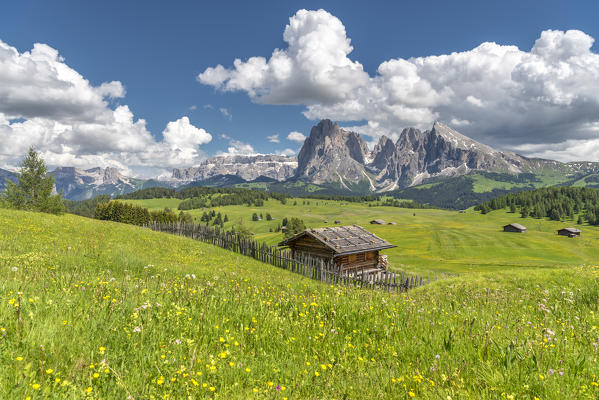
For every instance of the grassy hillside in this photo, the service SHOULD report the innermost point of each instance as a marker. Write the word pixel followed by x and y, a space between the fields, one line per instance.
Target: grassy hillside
pixel 102 310
pixel 430 241
pixel 465 191
pixel 591 180
pixel 448 192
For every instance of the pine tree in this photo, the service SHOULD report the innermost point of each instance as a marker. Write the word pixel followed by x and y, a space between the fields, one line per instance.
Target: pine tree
pixel 34 188
pixel 294 226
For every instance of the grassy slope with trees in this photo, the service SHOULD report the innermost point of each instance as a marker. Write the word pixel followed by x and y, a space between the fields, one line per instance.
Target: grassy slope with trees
pixel 150 314
pixel 429 241
pixel 447 192
pixel 556 203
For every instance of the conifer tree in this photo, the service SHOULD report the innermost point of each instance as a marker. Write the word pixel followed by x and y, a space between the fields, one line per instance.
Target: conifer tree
pixel 33 191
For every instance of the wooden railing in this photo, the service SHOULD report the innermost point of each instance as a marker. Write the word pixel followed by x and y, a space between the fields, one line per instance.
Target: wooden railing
pixel 312 267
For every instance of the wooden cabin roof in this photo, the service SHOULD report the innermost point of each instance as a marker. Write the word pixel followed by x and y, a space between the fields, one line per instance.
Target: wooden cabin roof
pixel 517 226
pixel 343 239
pixel 571 230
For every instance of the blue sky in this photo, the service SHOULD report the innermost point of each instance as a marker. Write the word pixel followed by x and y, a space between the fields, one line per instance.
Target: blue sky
pixel 157 49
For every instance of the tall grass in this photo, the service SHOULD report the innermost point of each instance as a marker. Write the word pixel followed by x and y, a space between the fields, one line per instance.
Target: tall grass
pixel 102 310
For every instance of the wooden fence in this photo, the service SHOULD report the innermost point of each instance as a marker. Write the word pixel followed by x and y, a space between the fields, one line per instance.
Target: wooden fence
pixel 312 267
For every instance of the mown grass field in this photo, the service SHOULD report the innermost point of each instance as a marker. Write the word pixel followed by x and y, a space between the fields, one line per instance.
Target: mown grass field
pixel 92 309
pixel 430 242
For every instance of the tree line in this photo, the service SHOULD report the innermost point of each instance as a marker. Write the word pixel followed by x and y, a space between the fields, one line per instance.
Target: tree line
pixel 403 204
pixel 204 196
pixel 555 203
pixel 118 211
pixel 86 208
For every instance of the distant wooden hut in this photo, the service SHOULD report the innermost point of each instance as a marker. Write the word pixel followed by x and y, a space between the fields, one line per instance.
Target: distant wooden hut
pixel 351 247
pixel 514 228
pixel 570 232
pixel 378 222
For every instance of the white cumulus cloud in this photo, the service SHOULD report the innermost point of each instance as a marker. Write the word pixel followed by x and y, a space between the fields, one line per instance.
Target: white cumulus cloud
pixel 46 104
pixel 238 148
pixel 274 138
pixel 498 94
pixel 313 68
pixel 296 137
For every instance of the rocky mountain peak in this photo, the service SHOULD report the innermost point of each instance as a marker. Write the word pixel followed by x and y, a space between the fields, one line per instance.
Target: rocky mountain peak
pixel 457 139
pixel 381 153
pixel 112 175
pixel 79 184
pixel 325 127
pixel 331 153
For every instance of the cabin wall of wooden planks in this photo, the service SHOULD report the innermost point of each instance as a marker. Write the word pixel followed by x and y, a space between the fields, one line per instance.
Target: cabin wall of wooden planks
pixel 364 260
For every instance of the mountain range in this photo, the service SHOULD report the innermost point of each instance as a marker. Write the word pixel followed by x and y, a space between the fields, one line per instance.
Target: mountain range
pixel 248 168
pixel 332 154
pixel 423 165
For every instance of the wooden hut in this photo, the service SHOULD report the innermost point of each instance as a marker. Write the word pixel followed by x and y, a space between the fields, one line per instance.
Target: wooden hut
pixel 378 222
pixel 514 228
pixel 570 232
pixel 351 247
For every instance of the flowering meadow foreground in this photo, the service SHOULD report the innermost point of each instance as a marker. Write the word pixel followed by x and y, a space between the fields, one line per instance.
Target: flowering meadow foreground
pixel 101 310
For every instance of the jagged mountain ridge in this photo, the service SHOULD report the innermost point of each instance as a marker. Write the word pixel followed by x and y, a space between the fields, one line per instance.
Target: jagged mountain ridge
pixel 442 151
pixel 80 184
pixel 336 160
pixel 332 154
pixel 248 168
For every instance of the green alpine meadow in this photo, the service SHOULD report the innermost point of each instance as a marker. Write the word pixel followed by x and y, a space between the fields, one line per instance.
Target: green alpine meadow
pixel 95 309
pixel 276 200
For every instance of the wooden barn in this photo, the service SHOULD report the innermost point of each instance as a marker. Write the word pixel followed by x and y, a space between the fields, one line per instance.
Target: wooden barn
pixel 570 232
pixel 514 228
pixel 351 247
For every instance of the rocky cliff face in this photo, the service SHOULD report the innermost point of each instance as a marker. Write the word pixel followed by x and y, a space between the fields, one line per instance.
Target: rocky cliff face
pixel 442 151
pixel 331 154
pixel 249 168
pixel 79 184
